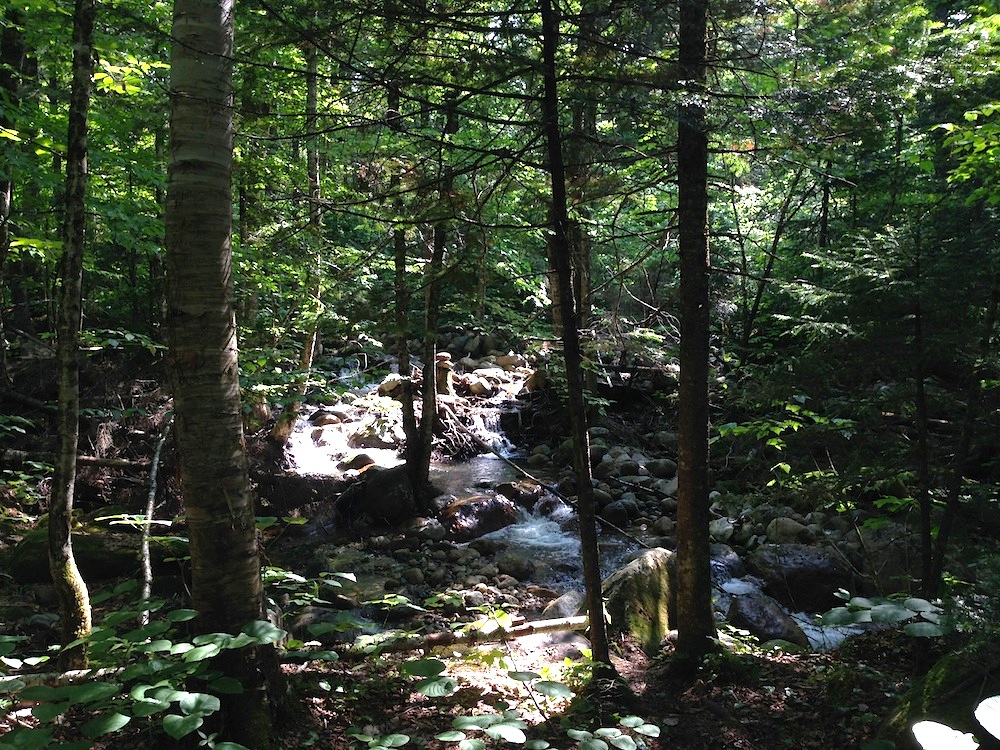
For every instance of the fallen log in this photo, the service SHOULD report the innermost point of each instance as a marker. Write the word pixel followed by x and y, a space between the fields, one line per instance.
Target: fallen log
pixel 15 458
pixel 398 642
pixel 6 393
pixel 362 647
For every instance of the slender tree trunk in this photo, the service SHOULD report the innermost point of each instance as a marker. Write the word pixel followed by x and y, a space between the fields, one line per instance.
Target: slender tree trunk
pixel 285 424
pixel 785 214
pixel 420 471
pixel 225 564
pixel 74 600
pixel 695 618
pixel 559 252
pixel 579 158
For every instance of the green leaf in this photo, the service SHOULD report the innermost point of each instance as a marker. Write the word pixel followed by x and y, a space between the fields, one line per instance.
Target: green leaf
pixel 148 707
pixel 91 692
pixel 471 744
pixel 890 612
pixel 29 738
pixel 988 714
pixel 11 685
pixel 649 730
pixel 393 740
pixel 452 735
pixel 623 742
pixel 579 734
pixel 523 676
pixel 199 704
pixel 437 687
pixel 230 746
pixel 922 629
pixel 920 605
pixel 552 689
pixel 182 615
pixel 155 646
pixel 593 744
pixel 508 731
pixel 536 745
pixel 424 668
pixel 479 721
pixel 179 726
pixel 222 640
pixel 200 653
pixel 43 693
pixel 263 632
pixel 104 724
pixel 934 736
pixel 48 711
pixel 845 616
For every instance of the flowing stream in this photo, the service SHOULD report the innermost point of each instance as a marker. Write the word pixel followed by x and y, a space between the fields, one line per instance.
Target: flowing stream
pixel 549 540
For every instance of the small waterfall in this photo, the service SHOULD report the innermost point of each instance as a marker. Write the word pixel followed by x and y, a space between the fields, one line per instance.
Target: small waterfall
pixel 486 427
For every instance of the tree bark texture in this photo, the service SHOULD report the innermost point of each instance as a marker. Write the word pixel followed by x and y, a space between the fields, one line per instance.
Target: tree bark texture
pixel 560 254
pixel 695 618
pixel 74 600
pixel 225 565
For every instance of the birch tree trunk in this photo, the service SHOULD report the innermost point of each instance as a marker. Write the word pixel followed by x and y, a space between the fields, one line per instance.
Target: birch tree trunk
pixel 225 565
pixel 74 600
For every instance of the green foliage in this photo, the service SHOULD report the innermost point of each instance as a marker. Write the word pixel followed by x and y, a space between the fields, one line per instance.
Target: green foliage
pixel 922 618
pixel 157 678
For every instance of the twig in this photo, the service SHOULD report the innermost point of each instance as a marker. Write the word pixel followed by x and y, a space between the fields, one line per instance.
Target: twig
pixel 147 564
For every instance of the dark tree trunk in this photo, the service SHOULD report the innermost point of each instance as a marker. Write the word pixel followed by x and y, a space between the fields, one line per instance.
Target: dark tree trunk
pixel 560 254
pixel 695 619
pixel 74 600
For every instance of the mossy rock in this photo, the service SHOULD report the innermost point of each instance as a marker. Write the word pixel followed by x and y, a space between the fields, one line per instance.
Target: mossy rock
pixel 949 694
pixel 99 557
pixel 640 597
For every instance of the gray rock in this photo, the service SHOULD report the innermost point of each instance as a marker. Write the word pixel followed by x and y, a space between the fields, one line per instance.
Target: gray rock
pixel 569 604
pixel 721 529
pixel 662 468
pixel 783 530
pixel 764 617
pixel 516 565
pixel 800 576
pixel 474 516
pixel 664 526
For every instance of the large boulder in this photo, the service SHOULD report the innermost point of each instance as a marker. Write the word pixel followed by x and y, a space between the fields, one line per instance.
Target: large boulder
pixel 99 557
pixel 764 617
pixel 640 598
pixel 381 495
pixel 801 576
pixel 471 517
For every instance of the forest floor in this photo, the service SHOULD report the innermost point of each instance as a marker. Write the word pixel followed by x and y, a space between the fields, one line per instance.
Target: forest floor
pixel 747 701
